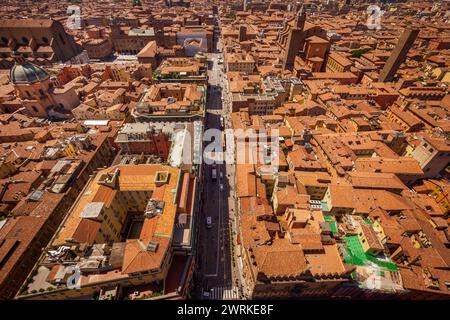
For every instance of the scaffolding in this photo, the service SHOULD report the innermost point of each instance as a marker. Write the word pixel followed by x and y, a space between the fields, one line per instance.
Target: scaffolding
pixel 355 255
pixel 330 220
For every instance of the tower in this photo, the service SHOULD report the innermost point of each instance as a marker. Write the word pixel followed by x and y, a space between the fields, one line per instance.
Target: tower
pixel 300 19
pixel 398 55
pixel 242 33
pixel 295 40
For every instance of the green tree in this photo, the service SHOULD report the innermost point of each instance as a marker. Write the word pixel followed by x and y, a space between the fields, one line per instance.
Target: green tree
pixel 359 52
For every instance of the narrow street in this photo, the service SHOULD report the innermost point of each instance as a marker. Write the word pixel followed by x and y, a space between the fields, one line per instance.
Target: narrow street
pixel 217 265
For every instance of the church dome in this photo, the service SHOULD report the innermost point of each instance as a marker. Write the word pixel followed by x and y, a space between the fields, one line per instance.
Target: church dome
pixel 24 72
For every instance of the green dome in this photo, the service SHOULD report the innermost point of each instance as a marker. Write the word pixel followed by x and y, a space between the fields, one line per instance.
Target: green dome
pixel 27 73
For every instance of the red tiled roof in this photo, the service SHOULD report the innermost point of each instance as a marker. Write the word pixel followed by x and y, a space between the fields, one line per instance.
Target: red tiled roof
pixel 87 231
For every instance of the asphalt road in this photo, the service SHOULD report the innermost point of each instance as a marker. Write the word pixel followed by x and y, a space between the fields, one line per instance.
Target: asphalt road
pixel 215 264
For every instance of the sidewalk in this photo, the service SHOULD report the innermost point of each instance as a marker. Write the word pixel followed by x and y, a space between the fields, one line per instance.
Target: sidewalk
pixel 237 271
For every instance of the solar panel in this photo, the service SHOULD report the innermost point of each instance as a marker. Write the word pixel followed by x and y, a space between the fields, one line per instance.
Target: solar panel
pixel 36 195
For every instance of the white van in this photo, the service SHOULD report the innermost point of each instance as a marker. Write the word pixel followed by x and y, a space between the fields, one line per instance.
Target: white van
pixel 208 222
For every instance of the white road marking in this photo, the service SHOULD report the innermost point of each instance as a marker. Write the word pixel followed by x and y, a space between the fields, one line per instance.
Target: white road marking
pixel 225 293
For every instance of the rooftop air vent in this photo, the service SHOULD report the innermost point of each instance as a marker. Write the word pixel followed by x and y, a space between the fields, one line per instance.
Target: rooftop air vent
pixel 152 246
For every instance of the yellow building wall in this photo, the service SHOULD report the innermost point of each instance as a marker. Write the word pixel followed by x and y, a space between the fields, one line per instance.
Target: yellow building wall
pixel 446 77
